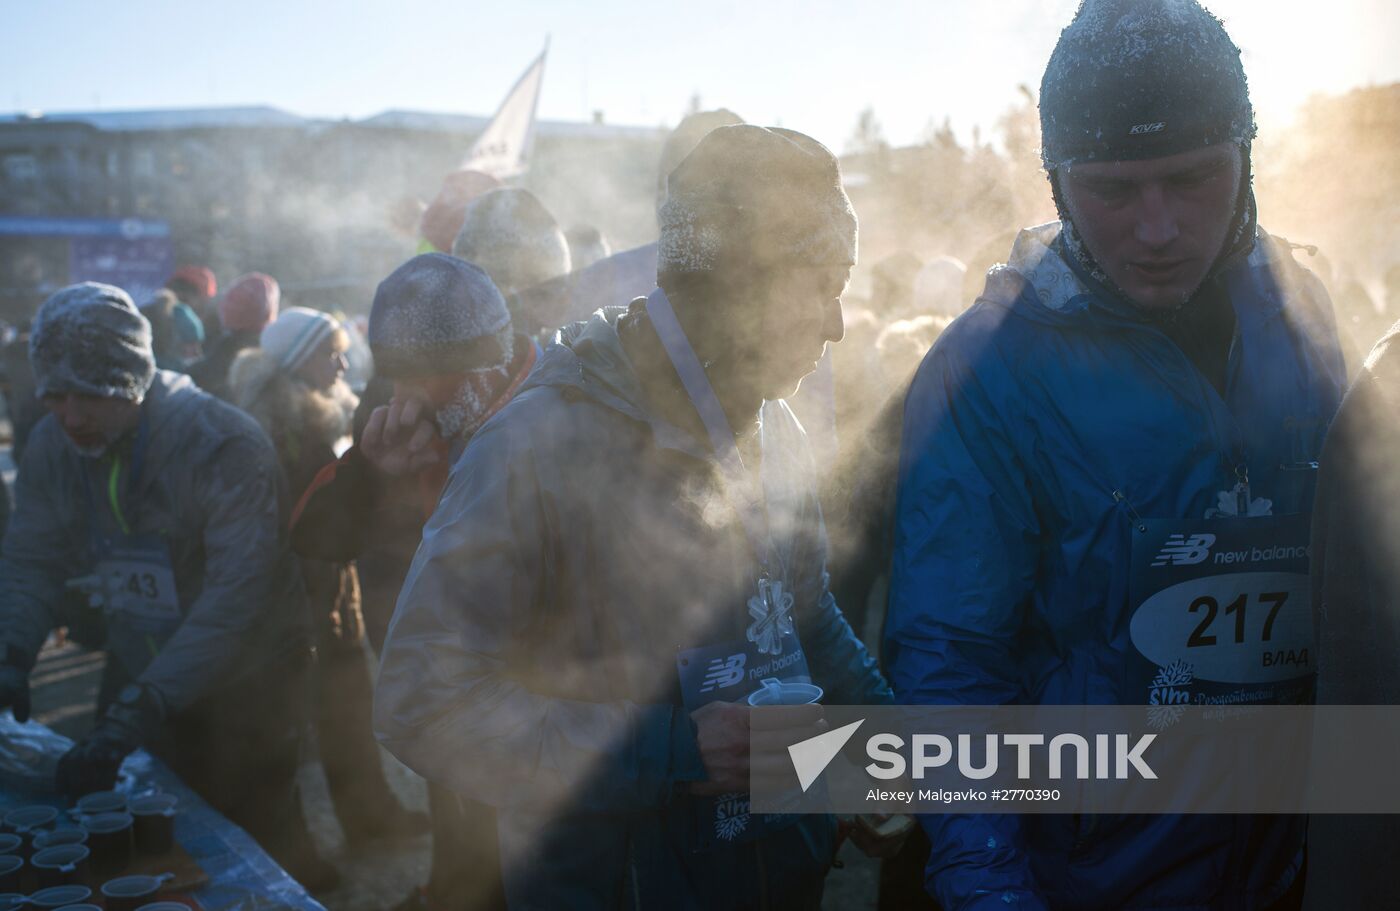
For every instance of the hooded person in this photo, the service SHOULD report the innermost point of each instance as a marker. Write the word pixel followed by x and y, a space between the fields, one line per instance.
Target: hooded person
pixel 196 287
pixel 584 544
pixel 511 235
pixel 293 385
pixel 442 219
pixel 244 311
pixel 443 343
pixel 163 505
pixel 177 335
pixel 1152 364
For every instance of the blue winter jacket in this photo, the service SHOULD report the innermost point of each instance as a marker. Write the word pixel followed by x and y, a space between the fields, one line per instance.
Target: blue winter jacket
pixel 1045 421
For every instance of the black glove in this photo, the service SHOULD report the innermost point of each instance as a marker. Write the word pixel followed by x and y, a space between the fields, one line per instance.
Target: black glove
pixel 92 763
pixel 14 683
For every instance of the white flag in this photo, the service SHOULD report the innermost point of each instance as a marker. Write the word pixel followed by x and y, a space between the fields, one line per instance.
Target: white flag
pixel 503 149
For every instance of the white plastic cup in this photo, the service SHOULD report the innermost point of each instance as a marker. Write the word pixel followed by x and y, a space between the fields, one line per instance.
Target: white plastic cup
pixel 772 691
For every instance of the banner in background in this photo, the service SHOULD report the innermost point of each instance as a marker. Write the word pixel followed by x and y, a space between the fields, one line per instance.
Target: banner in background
pixel 503 149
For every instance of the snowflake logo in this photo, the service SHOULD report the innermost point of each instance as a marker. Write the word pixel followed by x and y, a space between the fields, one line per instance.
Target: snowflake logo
pixel 771 610
pixel 1161 717
pixel 1168 694
pixel 1178 673
pixel 731 816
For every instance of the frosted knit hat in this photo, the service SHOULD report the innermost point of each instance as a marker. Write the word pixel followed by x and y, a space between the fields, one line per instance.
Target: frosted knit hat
pixel 760 196
pixel 435 314
pixel 90 339
pixel 509 233
pixel 1135 79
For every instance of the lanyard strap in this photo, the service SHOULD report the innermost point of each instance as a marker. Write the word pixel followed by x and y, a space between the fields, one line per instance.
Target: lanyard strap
pixel 112 495
pixel 741 487
pixel 138 458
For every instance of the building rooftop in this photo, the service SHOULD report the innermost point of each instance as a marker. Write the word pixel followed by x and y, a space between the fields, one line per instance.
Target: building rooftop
pixel 256 116
pixel 166 118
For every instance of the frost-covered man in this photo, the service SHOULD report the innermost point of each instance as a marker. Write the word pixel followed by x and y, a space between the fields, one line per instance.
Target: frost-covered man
pixel 444 345
pixel 1146 379
pixel 163 505
pixel 623 543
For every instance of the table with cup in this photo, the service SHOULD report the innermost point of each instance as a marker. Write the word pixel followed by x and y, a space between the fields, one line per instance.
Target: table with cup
pixel 151 844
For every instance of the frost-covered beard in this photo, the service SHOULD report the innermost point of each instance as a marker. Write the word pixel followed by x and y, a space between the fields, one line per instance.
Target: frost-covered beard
pixel 466 411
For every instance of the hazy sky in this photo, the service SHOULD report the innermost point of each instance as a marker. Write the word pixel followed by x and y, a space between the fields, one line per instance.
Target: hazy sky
pixel 810 66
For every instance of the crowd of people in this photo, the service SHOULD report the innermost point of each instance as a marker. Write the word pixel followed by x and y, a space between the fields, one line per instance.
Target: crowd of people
pixel 575 480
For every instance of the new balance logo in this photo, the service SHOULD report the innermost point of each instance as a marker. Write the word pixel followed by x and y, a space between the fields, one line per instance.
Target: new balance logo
pixel 1183 551
pixel 723 672
pixel 1141 128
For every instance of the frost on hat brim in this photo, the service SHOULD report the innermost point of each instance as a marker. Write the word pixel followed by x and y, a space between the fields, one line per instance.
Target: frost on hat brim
pixel 437 359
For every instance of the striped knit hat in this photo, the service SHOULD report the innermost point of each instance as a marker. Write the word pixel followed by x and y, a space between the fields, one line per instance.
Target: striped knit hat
pixel 295 334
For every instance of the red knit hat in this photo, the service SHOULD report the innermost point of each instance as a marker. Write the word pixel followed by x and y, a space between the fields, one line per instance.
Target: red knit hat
pixel 443 217
pixel 251 303
pixel 198 278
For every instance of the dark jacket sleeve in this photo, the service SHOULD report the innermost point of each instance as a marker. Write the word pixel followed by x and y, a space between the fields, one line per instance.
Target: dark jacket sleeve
pixel 964 571
pixel 331 520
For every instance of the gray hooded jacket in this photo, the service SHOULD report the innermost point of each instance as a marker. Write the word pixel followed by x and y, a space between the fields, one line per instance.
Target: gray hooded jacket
pixel 209 487
pixel 532 659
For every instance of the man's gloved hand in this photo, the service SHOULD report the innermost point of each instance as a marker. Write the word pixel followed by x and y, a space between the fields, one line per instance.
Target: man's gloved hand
pixel 92 764
pixel 14 682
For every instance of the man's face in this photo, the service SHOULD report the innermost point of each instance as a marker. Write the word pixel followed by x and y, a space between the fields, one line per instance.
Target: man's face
pixel 1156 227
pixel 794 312
pixel 92 422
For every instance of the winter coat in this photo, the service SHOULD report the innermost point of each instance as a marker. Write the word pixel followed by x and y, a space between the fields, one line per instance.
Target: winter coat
pixel 1042 425
pixel 532 660
pixel 1356 600
pixel 304 424
pixel 210 489
pixel 211 374
pixel 352 511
